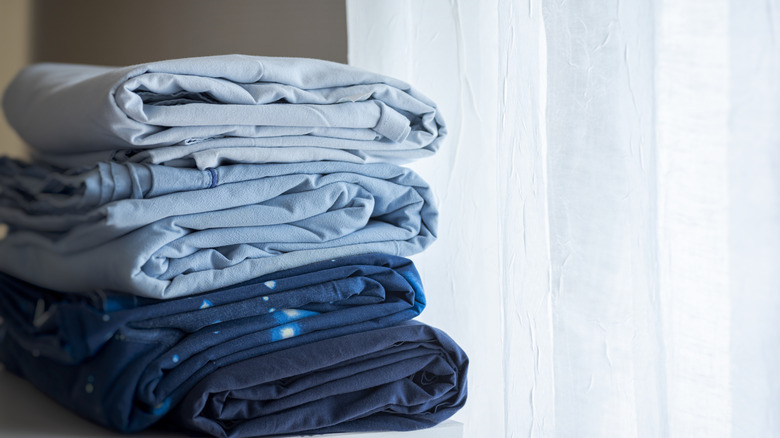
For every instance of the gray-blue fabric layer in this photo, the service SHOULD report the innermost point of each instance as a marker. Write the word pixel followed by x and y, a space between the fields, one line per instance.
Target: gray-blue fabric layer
pixel 220 109
pixel 165 232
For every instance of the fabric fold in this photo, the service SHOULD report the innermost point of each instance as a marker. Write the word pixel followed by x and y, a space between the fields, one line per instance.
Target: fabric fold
pixel 174 111
pixel 406 377
pixel 165 232
pixel 216 244
pixel 125 361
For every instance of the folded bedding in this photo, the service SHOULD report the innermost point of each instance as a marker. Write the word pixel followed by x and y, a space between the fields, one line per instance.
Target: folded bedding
pixel 125 361
pixel 166 232
pixel 220 109
pixel 405 377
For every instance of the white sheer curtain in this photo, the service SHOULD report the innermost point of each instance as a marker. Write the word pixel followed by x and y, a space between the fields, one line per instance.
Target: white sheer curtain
pixel 609 248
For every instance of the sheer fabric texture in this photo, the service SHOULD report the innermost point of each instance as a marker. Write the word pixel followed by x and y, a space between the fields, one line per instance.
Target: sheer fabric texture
pixel 610 199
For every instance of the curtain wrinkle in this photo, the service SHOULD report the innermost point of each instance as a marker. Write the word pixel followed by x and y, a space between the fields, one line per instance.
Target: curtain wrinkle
pixel 610 207
pixel 602 223
pixel 524 241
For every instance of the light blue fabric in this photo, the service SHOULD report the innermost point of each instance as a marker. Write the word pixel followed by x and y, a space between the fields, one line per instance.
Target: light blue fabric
pixel 220 109
pixel 165 232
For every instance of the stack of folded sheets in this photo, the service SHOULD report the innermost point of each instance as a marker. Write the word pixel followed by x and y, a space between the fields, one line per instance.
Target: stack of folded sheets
pixel 217 245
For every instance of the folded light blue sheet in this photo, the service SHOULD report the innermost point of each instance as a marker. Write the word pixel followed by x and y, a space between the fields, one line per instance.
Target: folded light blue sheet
pixel 165 232
pixel 221 109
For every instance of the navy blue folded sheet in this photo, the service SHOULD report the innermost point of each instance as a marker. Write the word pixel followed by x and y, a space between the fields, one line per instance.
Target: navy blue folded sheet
pixel 409 376
pixel 124 361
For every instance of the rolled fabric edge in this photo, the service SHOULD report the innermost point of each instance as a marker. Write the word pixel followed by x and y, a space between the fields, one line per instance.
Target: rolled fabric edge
pixel 370 403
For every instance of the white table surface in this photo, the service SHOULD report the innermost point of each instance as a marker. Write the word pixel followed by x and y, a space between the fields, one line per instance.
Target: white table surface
pixel 26 412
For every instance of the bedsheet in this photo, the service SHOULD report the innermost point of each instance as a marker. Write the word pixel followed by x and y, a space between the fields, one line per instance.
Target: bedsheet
pixel 405 377
pixel 125 361
pixel 165 232
pixel 214 110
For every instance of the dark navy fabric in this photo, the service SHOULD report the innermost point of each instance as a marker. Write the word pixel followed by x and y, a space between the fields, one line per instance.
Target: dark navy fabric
pixel 124 361
pixel 409 376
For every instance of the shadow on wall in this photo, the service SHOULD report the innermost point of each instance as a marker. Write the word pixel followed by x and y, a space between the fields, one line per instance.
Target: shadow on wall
pixel 14 54
pixel 124 32
pixel 129 32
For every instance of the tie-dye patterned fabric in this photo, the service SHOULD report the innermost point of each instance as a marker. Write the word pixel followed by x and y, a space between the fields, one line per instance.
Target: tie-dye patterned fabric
pixel 166 232
pixel 207 110
pixel 405 377
pixel 124 361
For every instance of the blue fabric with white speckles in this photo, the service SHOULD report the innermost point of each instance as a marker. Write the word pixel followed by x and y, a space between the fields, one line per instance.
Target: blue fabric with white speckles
pixel 124 361
pixel 166 232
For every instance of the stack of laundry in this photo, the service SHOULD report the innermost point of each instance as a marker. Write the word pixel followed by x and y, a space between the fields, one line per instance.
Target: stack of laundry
pixel 216 245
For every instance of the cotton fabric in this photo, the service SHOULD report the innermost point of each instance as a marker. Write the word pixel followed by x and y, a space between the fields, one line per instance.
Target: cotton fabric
pixel 212 244
pixel 164 232
pixel 221 109
pixel 406 377
pixel 124 361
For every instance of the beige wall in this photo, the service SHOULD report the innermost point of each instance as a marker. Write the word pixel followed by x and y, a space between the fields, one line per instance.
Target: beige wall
pixel 14 49
pixel 123 32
